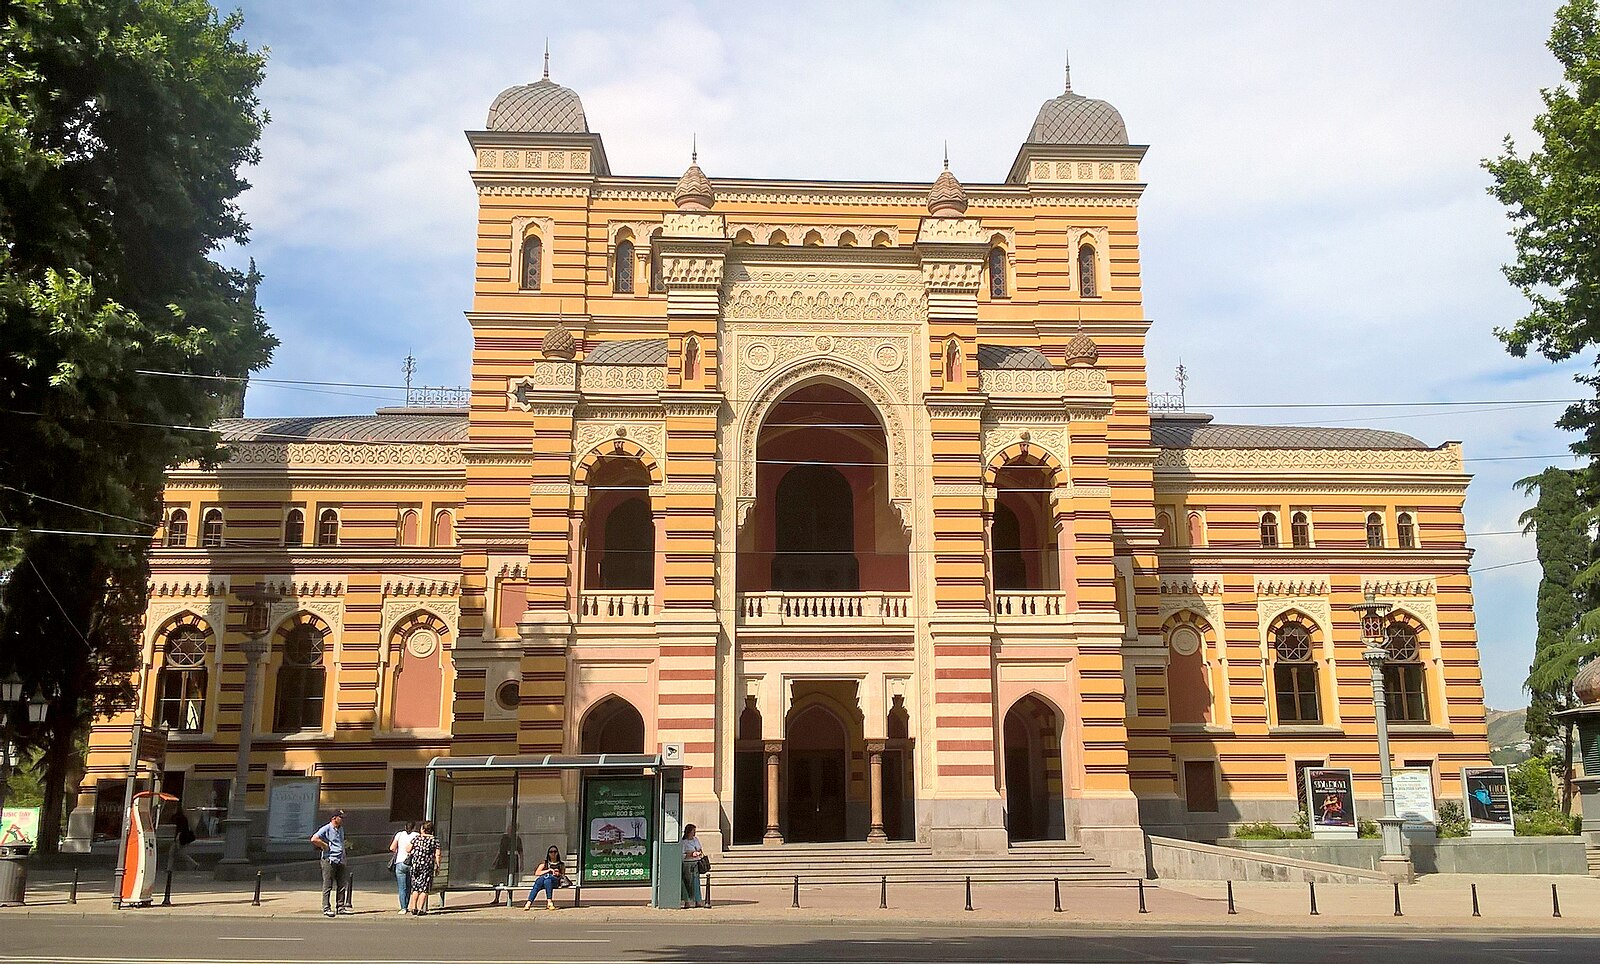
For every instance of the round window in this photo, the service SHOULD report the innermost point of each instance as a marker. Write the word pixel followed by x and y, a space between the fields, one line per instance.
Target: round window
pixel 509 694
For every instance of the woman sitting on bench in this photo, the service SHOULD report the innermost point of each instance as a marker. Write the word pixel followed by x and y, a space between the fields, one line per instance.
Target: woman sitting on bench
pixel 547 877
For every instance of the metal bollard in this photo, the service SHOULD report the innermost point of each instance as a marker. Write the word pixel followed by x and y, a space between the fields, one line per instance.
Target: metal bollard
pixel 72 897
pixel 1141 897
pixel 256 900
pixel 1058 895
pixel 1397 899
pixel 166 896
pixel 1313 898
pixel 1555 902
pixel 796 891
pixel 577 895
pixel 1475 912
pixel 969 893
pixel 883 893
pixel 1231 908
pixel 708 888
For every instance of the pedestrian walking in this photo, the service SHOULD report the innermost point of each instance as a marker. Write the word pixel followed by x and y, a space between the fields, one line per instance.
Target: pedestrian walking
pixel 400 846
pixel 692 856
pixel 329 842
pixel 182 837
pixel 424 859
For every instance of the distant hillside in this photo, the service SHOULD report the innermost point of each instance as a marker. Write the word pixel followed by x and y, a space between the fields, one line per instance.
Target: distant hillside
pixel 1508 735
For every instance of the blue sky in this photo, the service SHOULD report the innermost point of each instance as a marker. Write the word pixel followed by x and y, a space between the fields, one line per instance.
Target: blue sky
pixel 1316 227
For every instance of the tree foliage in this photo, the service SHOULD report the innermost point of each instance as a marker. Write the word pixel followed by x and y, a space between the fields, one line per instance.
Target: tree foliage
pixel 1559 521
pixel 124 128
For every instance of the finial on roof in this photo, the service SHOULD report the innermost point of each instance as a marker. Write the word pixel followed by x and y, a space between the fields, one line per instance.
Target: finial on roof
pixel 547 59
pixel 947 155
pixel 694 148
pixel 694 188
pixel 1068 62
pixel 947 198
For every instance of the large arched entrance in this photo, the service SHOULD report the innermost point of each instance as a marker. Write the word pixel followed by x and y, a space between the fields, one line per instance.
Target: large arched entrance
pixel 1035 808
pixel 818 763
pixel 611 726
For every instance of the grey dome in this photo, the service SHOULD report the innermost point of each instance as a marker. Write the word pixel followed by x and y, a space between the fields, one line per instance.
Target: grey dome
pixel 1076 119
pixel 543 107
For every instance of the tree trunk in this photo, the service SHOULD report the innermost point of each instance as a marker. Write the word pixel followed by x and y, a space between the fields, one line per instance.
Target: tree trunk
pixel 58 758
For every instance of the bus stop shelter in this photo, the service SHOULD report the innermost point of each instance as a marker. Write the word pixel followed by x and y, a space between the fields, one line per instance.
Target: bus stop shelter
pixel 625 830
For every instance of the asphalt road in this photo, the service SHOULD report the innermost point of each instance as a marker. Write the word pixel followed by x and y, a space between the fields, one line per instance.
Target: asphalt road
pixel 540 937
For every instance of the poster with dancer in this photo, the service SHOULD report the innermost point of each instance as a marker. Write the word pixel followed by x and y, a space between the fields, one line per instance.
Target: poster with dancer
pixel 1331 802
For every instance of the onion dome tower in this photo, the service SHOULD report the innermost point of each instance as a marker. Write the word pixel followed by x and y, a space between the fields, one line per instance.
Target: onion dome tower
pixel 538 128
pixel 693 192
pixel 947 198
pixel 1076 139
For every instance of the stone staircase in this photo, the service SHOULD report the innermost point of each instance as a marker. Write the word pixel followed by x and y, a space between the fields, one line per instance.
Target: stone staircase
pixel 902 863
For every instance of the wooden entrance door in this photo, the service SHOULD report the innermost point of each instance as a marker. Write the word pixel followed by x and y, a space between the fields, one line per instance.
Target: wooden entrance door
pixel 816 796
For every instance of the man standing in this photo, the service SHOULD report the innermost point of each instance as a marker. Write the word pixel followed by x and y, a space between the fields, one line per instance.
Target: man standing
pixel 335 872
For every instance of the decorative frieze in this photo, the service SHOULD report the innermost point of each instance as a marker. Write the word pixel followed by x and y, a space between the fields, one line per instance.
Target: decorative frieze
pixel 541 160
pixel 1446 459
pixel 1077 172
pixel 331 454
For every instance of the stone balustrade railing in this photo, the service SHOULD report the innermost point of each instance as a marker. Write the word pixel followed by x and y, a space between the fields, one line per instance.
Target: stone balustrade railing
pixel 824 608
pixel 607 605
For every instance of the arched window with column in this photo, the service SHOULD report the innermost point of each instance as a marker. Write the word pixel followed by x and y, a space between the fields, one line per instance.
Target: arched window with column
pixel 999 268
pixel 1405 687
pixel 622 268
pixel 532 267
pixel 1269 530
pixel 1088 280
pixel 612 725
pixel 1022 537
pixel 294 528
pixel 658 281
pixel 1405 531
pixel 184 680
pixel 328 528
pixel 417 654
pixel 409 528
pixel 1189 684
pixel 1300 530
pixel 954 368
pixel 1197 529
pixel 301 684
pixel 691 359
pixel 177 529
pixel 211 529
pixel 1374 530
pixel 1295 671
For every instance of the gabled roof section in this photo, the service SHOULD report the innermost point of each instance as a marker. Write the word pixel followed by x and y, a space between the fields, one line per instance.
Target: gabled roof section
pixel 632 351
pixel 1199 432
pixel 450 429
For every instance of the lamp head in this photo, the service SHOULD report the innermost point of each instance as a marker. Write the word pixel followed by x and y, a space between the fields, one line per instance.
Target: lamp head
pixel 11 688
pixel 38 707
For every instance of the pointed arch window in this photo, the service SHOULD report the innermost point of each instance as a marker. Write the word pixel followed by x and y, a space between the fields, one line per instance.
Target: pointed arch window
pixel 532 262
pixel 294 528
pixel 1374 530
pixel 658 283
pixel 302 681
pixel 998 268
pixel 1197 529
pixel 444 529
pixel 328 528
pixel 181 688
pixel 952 363
pixel 1404 687
pixel 1269 530
pixel 1406 531
pixel 1164 523
pixel 1088 280
pixel 622 269
pixel 691 359
pixel 1300 530
pixel 1294 674
pixel 211 529
pixel 409 527
pixel 178 529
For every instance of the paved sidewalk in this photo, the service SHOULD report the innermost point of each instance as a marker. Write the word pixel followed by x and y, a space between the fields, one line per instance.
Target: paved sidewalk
pixel 1506 903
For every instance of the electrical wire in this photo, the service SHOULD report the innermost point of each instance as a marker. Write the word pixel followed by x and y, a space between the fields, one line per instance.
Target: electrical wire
pixel 81 508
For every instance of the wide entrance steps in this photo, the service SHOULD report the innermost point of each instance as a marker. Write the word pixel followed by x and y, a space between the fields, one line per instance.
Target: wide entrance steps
pixel 903 863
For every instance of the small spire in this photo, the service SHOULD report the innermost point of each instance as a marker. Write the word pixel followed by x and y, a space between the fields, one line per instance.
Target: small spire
pixel 547 60
pixel 1069 74
pixel 694 148
pixel 947 155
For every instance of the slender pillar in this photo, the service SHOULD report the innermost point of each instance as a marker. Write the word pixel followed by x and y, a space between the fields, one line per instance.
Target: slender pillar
pixel 236 826
pixel 774 752
pixel 1394 860
pixel 875 749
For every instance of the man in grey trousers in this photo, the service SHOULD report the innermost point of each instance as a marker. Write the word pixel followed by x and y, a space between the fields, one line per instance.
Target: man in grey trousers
pixel 335 872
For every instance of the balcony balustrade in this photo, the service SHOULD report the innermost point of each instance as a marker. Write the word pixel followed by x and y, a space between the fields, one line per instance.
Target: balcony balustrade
pixel 1030 604
pixel 616 605
pixel 825 609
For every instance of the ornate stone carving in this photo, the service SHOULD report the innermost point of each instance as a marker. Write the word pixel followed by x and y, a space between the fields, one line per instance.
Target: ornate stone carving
pixel 1446 459
pixel 953 275
pixel 318 454
pixel 809 292
pixel 1047 438
pixel 685 224
pixel 651 436
pixel 700 270
pixel 1291 585
pixel 1398 586
pixel 621 378
pixel 1020 381
pixel 559 375
pixel 533 160
pixel 953 230
pixel 1191 586
pixel 831 234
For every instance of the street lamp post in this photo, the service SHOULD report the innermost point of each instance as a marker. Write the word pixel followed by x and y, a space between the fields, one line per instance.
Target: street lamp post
pixel 236 826
pixel 1375 637
pixel 37 708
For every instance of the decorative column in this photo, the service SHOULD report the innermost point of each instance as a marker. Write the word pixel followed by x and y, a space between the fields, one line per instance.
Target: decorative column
pixel 1375 633
pixel 236 826
pixel 875 832
pixel 774 753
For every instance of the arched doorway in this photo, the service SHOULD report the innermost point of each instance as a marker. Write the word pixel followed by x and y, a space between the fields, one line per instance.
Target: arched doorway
pixel 818 761
pixel 749 778
pixel 1034 800
pixel 612 726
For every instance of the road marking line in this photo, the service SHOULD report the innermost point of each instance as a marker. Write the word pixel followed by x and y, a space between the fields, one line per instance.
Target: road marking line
pixel 261 938
pixel 568 940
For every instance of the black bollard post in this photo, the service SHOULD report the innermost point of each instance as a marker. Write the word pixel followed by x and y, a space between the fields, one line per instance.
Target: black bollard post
pixel 1058 895
pixel 256 900
pixel 1475 911
pixel 796 891
pixel 883 893
pixel 1141 897
pixel 1397 899
pixel 72 898
pixel 166 896
pixel 1313 898
pixel 1555 902
pixel 969 893
pixel 1231 908
pixel 577 895
pixel 708 888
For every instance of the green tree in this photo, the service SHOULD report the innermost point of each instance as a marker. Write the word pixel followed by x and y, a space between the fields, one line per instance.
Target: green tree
pixel 124 125
pixel 1559 521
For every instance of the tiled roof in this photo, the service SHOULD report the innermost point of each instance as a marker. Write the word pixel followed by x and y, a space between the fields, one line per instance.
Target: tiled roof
pixel 1199 432
pixel 633 351
pixel 1075 119
pixel 431 427
pixel 544 107
pixel 992 357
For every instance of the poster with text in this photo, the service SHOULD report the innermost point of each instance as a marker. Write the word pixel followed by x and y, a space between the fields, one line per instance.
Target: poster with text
pixel 292 808
pixel 19 825
pixel 1330 799
pixel 1488 795
pixel 1413 797
pixel 616 830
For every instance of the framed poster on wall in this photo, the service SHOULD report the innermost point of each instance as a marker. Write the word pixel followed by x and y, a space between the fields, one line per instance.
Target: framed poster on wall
pixel 1331 802
pixel 292 808
pixel 1488 801
pixel 1413 798
pixel 617 834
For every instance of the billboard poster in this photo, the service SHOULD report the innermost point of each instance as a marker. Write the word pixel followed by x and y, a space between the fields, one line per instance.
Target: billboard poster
pixel 19 825
pixel 1331 801
pixel 1488 794
pixel 292 808
pixel 616 830
pixel 1413 797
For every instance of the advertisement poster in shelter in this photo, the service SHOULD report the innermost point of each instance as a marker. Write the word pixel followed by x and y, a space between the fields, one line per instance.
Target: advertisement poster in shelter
pixel 1488 794
pixel 616 830
pixel 1331 801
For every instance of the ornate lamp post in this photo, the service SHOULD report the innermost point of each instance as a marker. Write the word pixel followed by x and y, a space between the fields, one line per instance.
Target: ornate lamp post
pixel 37 708
pixel 236 826
pixel 1375 635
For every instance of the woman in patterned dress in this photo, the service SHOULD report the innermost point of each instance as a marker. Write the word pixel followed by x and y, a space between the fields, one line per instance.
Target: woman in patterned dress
pixel 425 857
